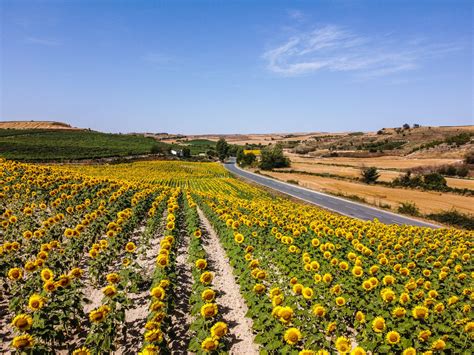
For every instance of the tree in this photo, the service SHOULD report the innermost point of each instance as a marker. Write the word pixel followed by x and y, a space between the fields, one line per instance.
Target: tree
pixel 272 157
pixel 157 149
pixel 245 159
pixel 222 149
pixel 186 152
pixel 369 174
pixel 406 126
pixel 434 181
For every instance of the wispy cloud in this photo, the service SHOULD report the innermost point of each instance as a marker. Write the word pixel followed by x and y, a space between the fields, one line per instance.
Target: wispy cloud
pixel 49 42
pixel 297 15
pixel 336 49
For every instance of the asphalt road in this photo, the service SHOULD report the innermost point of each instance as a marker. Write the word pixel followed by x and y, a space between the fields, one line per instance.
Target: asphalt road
pixel 336 204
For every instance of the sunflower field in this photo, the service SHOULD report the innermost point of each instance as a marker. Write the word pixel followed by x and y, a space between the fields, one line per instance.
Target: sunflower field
pixel 93 260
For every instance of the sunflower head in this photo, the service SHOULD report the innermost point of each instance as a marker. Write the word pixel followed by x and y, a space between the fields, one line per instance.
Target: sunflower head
pixel 24 341
pixel 219 330
pixel 209 344
pixel 292 336
pixel 22 322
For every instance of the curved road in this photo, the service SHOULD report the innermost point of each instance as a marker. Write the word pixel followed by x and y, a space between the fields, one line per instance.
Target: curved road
pixel 336 204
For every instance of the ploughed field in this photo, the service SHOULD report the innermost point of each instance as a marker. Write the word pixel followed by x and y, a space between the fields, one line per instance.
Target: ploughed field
pixel 175 257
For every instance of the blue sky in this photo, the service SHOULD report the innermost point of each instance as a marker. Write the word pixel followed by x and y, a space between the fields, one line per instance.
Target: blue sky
pixel 237 66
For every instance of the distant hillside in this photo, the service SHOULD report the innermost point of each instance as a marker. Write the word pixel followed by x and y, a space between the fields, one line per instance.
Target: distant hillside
pixel 35 125
pixel 70 144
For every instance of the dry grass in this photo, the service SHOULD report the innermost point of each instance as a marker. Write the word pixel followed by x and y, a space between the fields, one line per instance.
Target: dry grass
pixel 354 172
pixel 383 162
pixel 34 125
pixel 427 201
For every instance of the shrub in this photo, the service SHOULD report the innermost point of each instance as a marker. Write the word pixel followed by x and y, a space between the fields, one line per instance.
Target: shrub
pixel 408 208
pixel 454 218
pixel 272 157
pixel 434 181
pixel 469 159
pixel 369 174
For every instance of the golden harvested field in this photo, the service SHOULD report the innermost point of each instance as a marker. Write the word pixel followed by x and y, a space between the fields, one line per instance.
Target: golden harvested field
pixel 385 162
pixel 428 202
pixel 354 172
pixel 34 125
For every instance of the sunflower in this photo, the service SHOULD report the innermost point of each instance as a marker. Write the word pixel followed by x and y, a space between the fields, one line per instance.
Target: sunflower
pixel 76 272
pixel 49 286
pixel 378 324
pixel 343 345
pixel 358 350
pixel 99 314
pixel 292 336
pixel 239 238
pixel 388 280
pixel 438 345
pixel 206 277
pixel 409 351
pixel 306 352
pixel 423 335
pixel 219 329
pixel 197 233
pixel 392 337
pixel 343 265
pixel 162 260
pixel 399 312
pixel 22 322
pixel 285 314
pixel 158 292
pixel 113 278
pixel 109 291
pixel 388 295
pixel 36 302
pixel 154 336
pixel 308 293
pixel 340 301
pixel 360 317
pixel 63 281
pixel 201 264
pixel 319 310
pixel 81 351
pixel 209 344
pixel 357 271
pixel 15 273
pixel 24 341
pixel 420 312
pixel 367 285
pixel 209 310
pixel 130 247
pixel 208 295
pixel 259 288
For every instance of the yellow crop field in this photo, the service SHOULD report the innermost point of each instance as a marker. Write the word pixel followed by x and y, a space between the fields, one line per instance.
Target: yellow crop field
pixel 149 257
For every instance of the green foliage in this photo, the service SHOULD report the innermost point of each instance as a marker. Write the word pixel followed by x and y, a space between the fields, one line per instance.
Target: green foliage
pixel 44 145
pixel 273 157
pixel 369 175
pixel 430 181
pixel 409 208
pixel 245 159
pixel 454 218
pixel 469 158
pixel 222 149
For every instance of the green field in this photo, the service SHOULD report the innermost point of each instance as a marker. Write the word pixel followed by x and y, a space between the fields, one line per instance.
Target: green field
pixel 48 145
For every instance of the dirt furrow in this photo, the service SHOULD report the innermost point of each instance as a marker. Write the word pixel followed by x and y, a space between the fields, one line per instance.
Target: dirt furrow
pixel 179 335
pixel 229 298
